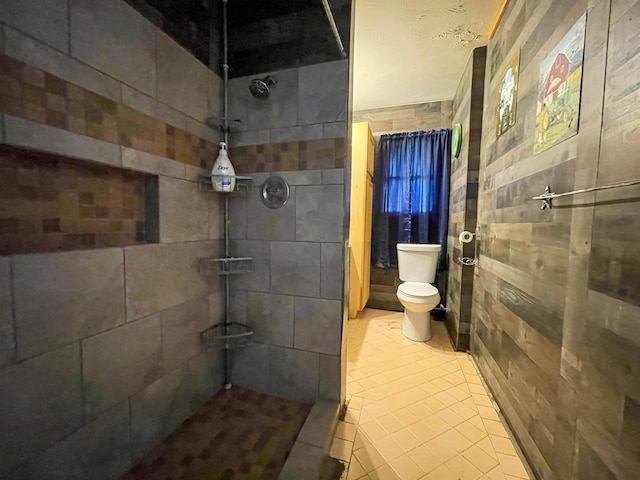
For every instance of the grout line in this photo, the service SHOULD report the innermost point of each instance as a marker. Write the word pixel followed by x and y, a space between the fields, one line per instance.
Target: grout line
pixel 14 320
pixel 82 390
pixel 124 284
pixel 130 432
pixel 68 27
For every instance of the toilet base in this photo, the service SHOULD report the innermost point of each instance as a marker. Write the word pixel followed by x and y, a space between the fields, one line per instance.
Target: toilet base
pixel 417 326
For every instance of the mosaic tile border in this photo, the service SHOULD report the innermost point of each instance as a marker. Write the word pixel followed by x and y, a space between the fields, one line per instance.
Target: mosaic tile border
pixel 38 96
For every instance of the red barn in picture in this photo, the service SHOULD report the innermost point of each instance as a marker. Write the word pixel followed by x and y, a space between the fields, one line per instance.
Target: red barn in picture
pixel 556 81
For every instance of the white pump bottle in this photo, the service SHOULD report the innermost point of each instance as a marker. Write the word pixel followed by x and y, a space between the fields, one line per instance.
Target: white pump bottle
pixel 223 175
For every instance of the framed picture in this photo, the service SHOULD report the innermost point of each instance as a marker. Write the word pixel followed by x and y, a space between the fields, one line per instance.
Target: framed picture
pixel 559 85
pixel 508 96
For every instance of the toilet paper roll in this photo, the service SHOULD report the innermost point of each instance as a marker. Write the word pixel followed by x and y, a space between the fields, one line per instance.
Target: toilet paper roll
pixel 465 237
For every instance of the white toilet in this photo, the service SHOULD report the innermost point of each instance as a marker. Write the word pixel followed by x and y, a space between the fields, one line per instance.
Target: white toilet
pixel 417 265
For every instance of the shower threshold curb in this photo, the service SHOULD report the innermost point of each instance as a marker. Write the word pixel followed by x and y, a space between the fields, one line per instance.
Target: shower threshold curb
pixel 311 449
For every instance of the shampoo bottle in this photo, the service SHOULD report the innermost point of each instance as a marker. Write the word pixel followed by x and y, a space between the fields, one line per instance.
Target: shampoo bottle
pixel 222 173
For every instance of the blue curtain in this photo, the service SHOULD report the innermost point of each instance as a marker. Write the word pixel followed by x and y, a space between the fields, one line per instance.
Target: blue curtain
pixel 411 196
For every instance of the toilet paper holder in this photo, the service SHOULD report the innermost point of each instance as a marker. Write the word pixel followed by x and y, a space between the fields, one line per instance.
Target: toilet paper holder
pixel 467 237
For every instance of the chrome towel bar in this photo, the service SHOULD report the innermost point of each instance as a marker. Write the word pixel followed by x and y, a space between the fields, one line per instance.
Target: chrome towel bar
pixel 548 195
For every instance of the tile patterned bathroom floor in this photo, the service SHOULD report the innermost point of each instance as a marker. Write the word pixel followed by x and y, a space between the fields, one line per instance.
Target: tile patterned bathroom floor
pixel 238 434
pixel 417 410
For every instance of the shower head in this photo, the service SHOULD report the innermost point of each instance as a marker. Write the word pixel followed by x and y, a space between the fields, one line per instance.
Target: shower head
pixel 259 87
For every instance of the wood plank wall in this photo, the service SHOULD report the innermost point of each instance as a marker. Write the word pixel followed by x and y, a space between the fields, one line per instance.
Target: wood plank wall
pixel 463 204
pixel 406 118
pixel 556 299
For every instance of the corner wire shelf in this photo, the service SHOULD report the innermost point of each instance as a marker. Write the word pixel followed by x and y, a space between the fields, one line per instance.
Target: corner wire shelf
pixel 205 182
pixel 237 335
pixel 225 265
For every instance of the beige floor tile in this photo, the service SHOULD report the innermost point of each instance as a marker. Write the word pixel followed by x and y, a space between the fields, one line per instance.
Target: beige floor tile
pixel 442 473
pixel 425 458
pixel 470 431
pixel 433 404
pixel 341 449
pixel 495 474
pixel 469 403
pixel 390 423
pixel 478 423
pixel 463 468
pixel 473 379
pixel 385 472
pixel 442 384
pixel 481 399
pixel 406 468
pixel 407 440
pixel 388 448
pixel 406 417
pixel 478 457
pixel 368 383
pixel 474 388
pixel 369 458
pixel 451 367
pixel 355 469
pixel 512 466
pixel 450 417
pixel 354 388
pixel 445 398
pixel 381 378
pixel 488 413
pixel 418 410
pixel 396 402
pixel 486 445
pixel 503 445
pixel 346 431
pixel 462 410
pixel 456 440
pixel 365 417
pixel 421 430
pixel 494 427
pixel 352 416
pixel 455 378
pixel 437 424
pixel 441 449
pixel 458 393
pixel 358 442
pixel 377 409
pixel 373 430
pixel 355 403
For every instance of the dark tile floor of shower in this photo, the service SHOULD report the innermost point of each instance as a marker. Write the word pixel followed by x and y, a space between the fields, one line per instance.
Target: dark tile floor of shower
pixel 238 434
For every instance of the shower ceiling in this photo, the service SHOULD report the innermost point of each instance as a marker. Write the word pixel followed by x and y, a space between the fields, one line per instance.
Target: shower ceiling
pixel 415 51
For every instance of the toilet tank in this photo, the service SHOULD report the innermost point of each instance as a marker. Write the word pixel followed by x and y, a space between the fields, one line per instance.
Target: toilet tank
pixel 417 262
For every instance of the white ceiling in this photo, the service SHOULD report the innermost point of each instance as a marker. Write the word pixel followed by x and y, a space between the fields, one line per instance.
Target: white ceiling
pixel 415 51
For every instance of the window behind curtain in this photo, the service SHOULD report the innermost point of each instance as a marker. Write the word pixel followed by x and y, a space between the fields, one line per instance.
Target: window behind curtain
pixel 411 199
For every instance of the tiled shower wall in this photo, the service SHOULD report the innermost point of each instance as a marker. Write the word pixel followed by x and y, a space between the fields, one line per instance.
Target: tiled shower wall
pixel 100 356
pixel 557 292
pixel 308 103
pixel 463 204
pixel 293 297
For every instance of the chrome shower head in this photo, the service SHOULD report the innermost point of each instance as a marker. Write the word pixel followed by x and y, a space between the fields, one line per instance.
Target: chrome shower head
pixel 259 87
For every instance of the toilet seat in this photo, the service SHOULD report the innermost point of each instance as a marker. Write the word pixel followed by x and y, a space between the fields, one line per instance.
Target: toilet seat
pixel 417 292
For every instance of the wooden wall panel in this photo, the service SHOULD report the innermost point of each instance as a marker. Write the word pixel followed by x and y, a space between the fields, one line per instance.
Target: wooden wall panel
pixel 463 197
pixel 556 310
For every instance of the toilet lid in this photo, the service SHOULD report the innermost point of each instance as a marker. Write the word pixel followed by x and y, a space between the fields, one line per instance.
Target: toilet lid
pixel 417 289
